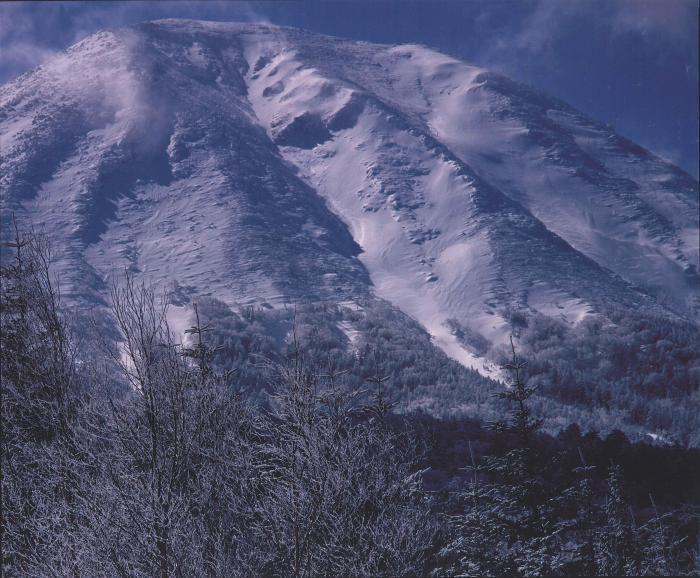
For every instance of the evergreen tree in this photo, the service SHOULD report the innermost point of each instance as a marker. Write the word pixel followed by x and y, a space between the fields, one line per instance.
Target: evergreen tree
pixel 513 508
pixel 578 518
pixel 661 547
pixel 617 553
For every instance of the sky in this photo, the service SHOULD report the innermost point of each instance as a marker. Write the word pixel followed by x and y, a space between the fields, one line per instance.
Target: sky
pixel 630 63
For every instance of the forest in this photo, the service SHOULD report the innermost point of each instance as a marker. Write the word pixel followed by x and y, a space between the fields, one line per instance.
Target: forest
pixel 146 456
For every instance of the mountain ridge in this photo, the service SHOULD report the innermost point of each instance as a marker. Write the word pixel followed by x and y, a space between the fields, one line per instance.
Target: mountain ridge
pixel 262 164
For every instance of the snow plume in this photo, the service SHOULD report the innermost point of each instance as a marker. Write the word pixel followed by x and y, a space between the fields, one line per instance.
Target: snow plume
pixel 105 76
pixel 22 54
pixel 97 71
pixel 29 40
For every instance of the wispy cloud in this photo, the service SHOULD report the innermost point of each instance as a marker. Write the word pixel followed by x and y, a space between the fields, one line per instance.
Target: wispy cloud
pixel 31 32
pixel 593 53
pixel 19 56
pixel 21 50
pixel 671 20
pixel 544 28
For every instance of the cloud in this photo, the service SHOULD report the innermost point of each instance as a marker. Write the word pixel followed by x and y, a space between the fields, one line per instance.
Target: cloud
pixel 672 20
pixel 20 50
pixel 32 32
pixel 20 56
pixel 542 29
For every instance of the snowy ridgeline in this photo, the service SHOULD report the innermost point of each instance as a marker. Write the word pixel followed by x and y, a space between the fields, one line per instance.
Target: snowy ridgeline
pixel 270 167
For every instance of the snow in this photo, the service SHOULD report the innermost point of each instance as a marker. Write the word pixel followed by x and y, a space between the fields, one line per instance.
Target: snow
pixel 350 332
pixel 180 319
pixel 558 305
pixel 607 219
pixel 263 164
pixel 11 128
pixel 346 172
pixel 451 274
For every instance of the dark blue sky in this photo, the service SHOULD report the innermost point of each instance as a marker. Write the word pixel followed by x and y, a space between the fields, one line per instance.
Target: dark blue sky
pixel 630 63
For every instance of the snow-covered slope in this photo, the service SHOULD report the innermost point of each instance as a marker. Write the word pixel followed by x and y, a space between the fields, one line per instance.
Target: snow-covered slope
pixel 263 164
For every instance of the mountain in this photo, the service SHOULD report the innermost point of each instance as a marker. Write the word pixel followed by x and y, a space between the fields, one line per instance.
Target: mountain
pixel 267 166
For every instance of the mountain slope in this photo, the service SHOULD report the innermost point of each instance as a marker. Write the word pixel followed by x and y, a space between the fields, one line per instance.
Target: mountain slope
pixel 265 165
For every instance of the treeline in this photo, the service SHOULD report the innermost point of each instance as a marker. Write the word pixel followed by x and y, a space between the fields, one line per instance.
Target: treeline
pixel 385 342
pixel 148 460
pixel 669 473
pixel 627 371
pixel 643 369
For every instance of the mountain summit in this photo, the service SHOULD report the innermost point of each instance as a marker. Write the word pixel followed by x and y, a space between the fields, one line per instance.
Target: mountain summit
pixel 270 166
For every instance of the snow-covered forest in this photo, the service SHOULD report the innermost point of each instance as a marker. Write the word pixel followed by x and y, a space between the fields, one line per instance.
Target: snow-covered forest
pixel 149 459
pixel 406 211
pixel 276 303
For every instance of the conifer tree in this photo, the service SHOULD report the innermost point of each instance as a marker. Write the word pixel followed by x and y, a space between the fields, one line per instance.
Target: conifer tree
pixel 661 547
pixel 616 552
pixel 587 515
pixel 514 504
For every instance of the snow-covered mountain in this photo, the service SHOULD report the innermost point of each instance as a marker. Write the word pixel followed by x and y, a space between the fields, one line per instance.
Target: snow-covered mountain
pixel 261 164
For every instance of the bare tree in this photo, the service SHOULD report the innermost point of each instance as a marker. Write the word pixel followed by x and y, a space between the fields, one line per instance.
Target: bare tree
pixel 44 464
pixel 165 481
pixel 338 491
